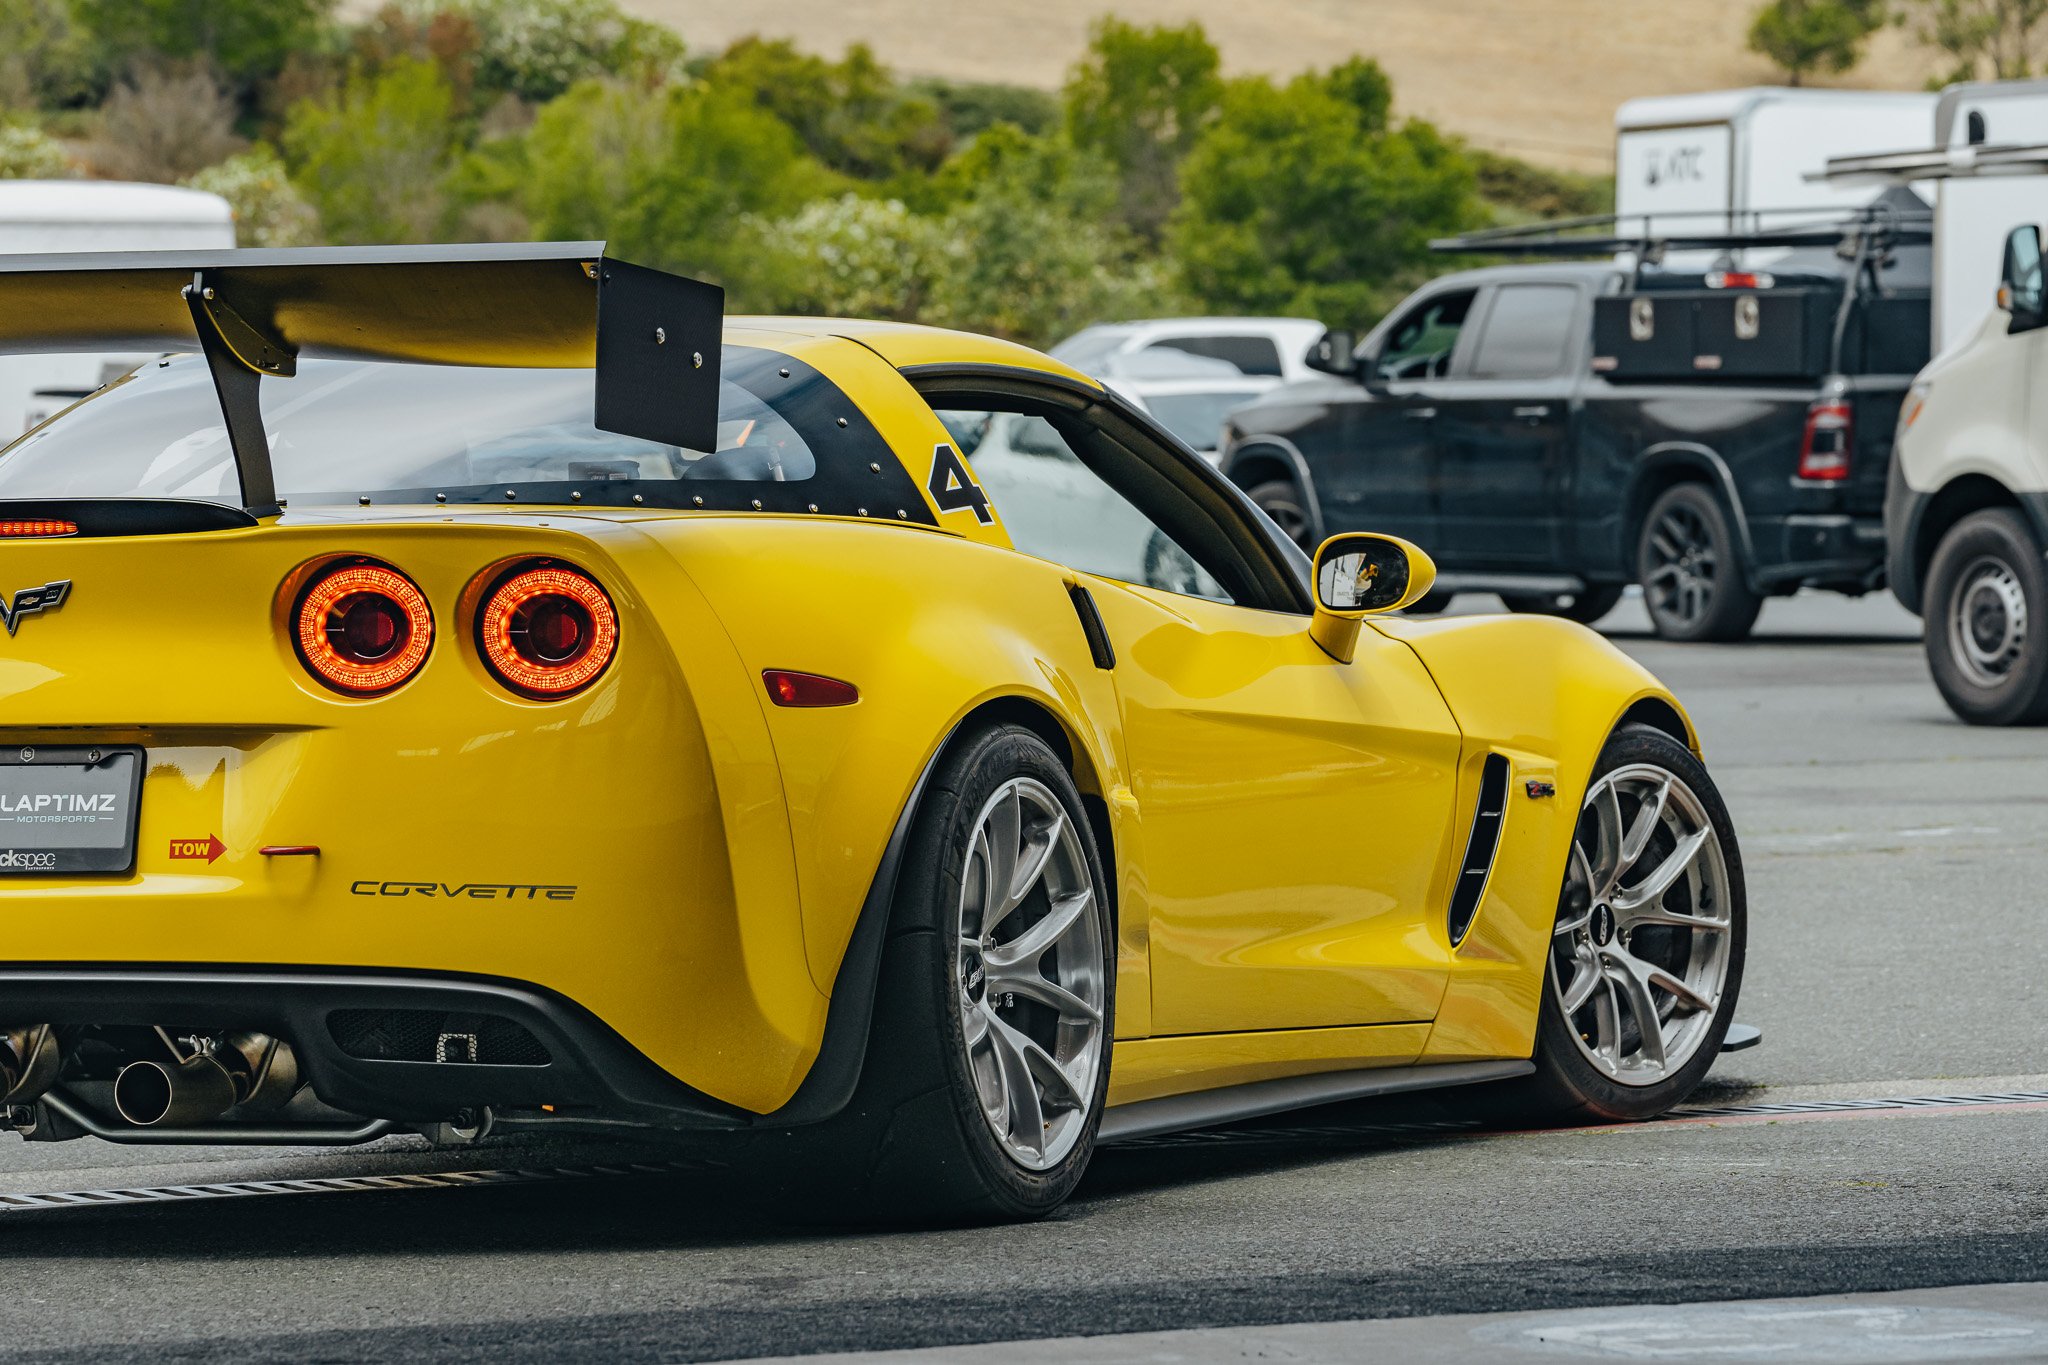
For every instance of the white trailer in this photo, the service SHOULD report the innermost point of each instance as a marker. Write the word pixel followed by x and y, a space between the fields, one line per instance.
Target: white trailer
pixel 54 216
pixel 1747 155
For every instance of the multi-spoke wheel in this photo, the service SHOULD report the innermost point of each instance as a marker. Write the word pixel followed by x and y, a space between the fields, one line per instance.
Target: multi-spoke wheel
pixel 1987 620
pixel 1691 569
pixel 1030 974
pixel 1646 957
pixel 988 1055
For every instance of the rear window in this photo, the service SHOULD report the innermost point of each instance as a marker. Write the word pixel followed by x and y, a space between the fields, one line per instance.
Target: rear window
pixel 1251 354
pixel 1528 332
pixel 341 431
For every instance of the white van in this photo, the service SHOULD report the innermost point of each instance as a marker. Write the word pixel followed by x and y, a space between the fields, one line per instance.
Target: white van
pixel 1966 510
pixel 57 216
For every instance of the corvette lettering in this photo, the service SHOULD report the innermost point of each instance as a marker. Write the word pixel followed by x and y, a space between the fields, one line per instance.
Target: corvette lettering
pixel 480 891
pixel 31 601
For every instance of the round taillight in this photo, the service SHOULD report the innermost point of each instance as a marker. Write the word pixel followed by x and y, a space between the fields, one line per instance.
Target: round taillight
pixel 547 630
pixel 362 629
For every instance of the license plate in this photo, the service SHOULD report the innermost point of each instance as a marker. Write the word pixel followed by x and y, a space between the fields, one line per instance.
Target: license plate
pixel 69 808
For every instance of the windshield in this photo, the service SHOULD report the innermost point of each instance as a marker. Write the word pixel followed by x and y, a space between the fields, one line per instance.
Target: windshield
pixel 342 431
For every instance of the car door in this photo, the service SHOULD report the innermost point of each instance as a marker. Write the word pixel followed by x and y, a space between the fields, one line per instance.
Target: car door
pixel 1378 472
pixel 1295 813
pixel 1503 430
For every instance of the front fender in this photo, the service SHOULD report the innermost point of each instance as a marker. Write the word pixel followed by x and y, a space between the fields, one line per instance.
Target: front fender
pixel 1545 693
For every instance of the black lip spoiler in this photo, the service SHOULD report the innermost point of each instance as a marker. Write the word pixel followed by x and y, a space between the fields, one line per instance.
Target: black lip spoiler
pixel 652 337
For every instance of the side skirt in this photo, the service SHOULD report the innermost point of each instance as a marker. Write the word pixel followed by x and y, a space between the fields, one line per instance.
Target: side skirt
pixel 1145 1118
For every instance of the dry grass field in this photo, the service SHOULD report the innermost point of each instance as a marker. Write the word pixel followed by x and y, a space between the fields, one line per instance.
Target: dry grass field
pixel 1537 78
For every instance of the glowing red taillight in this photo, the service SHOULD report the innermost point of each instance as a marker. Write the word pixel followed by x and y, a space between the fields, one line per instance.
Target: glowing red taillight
pixel 786 688
pixel 547 630
pixel 1825 447
pixel 37 528
pixel 1739 279
pixel 362 628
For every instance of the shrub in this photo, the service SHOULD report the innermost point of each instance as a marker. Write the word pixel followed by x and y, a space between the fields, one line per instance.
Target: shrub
pixel 29 153
pixel 269 210
pixel 374 160
pixel 164 122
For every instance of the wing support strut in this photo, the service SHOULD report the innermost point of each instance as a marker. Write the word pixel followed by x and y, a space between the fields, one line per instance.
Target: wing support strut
pixel 238 354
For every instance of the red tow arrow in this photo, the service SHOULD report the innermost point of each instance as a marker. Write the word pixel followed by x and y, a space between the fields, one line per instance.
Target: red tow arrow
pixel 208 848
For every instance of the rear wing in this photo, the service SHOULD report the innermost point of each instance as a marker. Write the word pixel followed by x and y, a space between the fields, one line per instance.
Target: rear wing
pixel 652 337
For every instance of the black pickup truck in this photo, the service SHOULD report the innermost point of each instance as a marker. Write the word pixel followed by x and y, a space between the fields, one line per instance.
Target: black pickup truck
pixel 1552 432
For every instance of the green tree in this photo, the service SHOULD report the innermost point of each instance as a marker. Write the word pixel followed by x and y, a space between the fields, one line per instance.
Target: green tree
pixel 28 153
pixel 1300 200
pixel 269 210
pixel 1808 36
pixel 375 159
pixel 246 40
pixel 46 57
pixel 1999 38
pixel 671 179
pixel 1140 99
pixel 851 114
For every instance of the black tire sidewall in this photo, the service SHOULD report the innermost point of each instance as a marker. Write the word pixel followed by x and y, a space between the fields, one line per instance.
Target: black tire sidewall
pixel 1567 1087
pixel 2022 698
pixel 1733 607
pixel 935 1154
pixel 1272 492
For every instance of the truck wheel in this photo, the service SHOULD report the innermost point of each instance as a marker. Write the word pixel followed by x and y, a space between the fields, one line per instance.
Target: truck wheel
pixel 1987 620
pixel 1284 503
pixel 1584 607
pixel 1691 570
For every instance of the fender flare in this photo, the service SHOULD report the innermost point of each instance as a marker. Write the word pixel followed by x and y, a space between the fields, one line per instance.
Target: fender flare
pixel 1668 455
pixel 1290 455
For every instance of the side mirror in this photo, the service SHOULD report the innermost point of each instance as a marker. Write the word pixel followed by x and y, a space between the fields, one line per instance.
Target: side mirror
pixel 2019 285
pixel 1360 575
pixel 1333 354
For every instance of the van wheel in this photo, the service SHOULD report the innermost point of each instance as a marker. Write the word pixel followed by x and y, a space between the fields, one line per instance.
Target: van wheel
pixel 1284 503
pixel 1691 570
pixel 1987 620
pixel 1584 607
pixel 988 1057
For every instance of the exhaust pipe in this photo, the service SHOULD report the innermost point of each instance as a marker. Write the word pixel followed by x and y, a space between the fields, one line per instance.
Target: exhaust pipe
pixel 249 1069
pixel 29 1062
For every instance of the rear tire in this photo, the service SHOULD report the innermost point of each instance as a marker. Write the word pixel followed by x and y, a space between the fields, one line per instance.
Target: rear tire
pixel 1289 509
pixel 985 1078
pixel 1987 620
pixel 1594 1060
pixel 1691 569
pixel 1585 607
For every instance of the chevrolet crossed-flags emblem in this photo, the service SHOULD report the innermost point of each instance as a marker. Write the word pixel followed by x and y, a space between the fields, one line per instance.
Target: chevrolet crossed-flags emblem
pixel 29 601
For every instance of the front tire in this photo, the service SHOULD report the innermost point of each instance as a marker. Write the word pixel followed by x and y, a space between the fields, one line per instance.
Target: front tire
pixel 1691 569
pixel 1647 952
pixel 988 1059
pixel 1288 507
pixel 1987 620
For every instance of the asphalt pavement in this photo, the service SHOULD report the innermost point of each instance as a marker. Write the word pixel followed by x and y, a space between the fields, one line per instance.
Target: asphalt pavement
pixel 1885 1137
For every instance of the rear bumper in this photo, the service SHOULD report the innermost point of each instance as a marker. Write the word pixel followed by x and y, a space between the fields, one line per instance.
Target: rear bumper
pixel 1829 550
pixel 368 1041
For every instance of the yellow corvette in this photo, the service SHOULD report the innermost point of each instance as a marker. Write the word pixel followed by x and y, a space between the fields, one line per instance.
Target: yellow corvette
pixel 484 687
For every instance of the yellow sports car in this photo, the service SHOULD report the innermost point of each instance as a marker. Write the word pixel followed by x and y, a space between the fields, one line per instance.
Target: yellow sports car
pixel 466 688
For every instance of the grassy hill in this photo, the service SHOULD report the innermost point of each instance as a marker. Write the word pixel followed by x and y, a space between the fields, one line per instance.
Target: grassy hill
pixel 1535 78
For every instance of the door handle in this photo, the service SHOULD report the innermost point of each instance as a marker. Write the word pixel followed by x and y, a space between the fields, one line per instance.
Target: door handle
pixel 1534 411
pixel 1418 414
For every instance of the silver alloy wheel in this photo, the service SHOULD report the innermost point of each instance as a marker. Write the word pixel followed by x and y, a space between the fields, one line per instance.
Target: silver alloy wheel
pixel 1683 567
pixel 1641 950
pixel 1030 974
pixel 1987 621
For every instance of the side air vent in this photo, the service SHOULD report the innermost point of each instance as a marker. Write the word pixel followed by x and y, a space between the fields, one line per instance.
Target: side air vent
pixel 1092 627
pixel 1480 846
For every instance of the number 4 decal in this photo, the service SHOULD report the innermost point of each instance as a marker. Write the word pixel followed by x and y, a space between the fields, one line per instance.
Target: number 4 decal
pixel 953 489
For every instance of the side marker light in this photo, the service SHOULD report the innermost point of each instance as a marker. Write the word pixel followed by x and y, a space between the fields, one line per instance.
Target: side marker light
pixel 787 688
